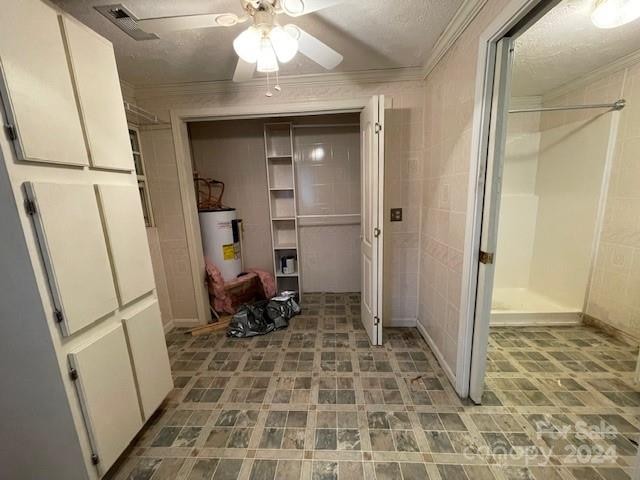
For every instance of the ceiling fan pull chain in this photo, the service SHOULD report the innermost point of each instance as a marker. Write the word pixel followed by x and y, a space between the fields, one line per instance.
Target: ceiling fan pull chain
pixel 277 87
pixel 269 93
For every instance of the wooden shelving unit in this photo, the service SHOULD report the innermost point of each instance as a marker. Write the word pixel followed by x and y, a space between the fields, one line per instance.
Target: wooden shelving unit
pixel 278 142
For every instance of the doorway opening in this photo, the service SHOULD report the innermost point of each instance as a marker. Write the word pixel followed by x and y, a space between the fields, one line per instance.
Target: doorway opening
pixel 308 189
pixel 554 310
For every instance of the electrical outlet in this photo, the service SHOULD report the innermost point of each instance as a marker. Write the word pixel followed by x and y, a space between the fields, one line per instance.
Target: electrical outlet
pixel 396 214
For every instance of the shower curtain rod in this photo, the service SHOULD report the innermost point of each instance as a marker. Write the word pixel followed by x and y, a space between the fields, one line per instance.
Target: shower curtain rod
pixel 617 105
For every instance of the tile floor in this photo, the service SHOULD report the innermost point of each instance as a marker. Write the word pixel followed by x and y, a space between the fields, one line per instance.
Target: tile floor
pixel 315 401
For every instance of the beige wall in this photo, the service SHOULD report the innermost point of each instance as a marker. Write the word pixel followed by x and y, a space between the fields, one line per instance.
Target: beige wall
pixel 233 152
pixel 404 152
pixel 571 164
pixel 162 177
pixel 614 297
pixel 449 102
pixel 519 203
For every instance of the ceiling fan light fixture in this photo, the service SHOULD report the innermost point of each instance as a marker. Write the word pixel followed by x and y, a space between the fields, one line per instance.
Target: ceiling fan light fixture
pixel 248 45
pixel 267 60
pixel 614 13
pixel 283 44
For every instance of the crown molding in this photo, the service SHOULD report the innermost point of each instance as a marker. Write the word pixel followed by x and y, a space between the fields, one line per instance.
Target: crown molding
pixel 458 24
pixel 408 74
pixel 598 74
pixel 530 101
pixel 128 90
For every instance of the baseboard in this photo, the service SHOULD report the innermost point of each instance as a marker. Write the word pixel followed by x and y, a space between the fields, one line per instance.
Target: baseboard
pixel 186 322
pixel 535 319
pixel 401 323
pixel 168 326
pixel 610 329
pixel 443 364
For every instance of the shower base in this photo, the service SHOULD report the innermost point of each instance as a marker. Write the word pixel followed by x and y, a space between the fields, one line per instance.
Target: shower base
pixel 521 306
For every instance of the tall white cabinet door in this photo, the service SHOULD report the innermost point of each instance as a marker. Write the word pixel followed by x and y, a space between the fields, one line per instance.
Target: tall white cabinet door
pixel 96 77
pixel 127 239
pixel 150 357
pixel 107 394
pixel 74 250
pixel 36 85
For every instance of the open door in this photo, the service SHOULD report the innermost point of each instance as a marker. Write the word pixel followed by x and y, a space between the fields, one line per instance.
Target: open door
pixel 490 215
pixel 371 235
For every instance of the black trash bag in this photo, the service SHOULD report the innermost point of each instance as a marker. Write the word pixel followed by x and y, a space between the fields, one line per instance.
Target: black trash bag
pixel 263 317
pixel 281 309
pixel 250 321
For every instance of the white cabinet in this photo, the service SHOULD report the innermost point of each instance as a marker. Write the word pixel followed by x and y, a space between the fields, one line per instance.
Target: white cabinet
pixel 127 238
pixel 107 393
pixel 36 86
pixel 96 77
pixel 76 255
pixel 73 247
pixel 150 358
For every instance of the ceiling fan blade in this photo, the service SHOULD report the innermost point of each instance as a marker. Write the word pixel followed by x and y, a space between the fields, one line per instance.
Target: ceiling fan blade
pixel 244 71
pixel 188 22
pixel 313 48
pixel 297 8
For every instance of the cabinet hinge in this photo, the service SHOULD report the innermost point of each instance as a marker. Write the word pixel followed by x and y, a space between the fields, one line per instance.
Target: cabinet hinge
pixel 486 257
pixel 95 459
pixel 378 127
pixel 30 207
pixel 11 132
pixel 73 374
pixel 58 315
pixel 376 321
pixel 376 232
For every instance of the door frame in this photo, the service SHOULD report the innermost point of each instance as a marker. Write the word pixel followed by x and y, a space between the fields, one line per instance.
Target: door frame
pixel 179 119
pixel 515 16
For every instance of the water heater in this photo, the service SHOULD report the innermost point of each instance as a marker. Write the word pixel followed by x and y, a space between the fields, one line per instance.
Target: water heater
pixel 221 240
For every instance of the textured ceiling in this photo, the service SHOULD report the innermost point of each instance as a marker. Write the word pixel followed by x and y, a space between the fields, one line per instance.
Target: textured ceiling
pixel 564 45
pixel 370 34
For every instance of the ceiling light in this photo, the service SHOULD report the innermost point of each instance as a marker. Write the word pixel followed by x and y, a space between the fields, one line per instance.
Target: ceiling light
pixel 284 44
pixel 614 13
pixel 248 44
pixel 267 61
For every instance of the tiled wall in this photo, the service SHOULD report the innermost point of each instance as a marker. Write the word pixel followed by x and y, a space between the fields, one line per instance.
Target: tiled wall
pixel 614 297
pixel 233 152
pixel 162 177
pixel 449 102
pixel 404 152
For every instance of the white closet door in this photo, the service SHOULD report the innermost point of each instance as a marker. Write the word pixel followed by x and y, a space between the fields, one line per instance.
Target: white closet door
pixel 107 394
pixel 96 78
pixel 72 243
pixel 127 239
pixel 150 357
pixel 36 85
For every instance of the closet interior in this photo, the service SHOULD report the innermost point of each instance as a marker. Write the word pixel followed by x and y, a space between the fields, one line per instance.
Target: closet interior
pixel 292 187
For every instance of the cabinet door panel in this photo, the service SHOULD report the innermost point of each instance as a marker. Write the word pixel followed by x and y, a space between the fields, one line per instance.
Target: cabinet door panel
pixel 96 77
pixel 37 89
pixel 127 239
pixel 72 243
pixel 107 394
pixel 150 357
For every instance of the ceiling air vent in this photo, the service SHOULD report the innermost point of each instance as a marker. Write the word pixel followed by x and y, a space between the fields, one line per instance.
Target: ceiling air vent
pixel 122 18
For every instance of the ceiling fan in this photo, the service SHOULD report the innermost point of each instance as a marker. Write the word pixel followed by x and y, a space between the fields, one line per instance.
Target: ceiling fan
pixel 266 43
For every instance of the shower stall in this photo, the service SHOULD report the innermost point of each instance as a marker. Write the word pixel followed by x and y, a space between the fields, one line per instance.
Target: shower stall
pixel 555 180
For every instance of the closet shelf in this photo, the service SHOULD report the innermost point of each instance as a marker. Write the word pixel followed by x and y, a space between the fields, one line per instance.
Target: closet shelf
pixel 286 275
pixel 286 246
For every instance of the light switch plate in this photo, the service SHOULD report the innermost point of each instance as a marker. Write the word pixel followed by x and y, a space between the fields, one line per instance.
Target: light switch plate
pixel 396 214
